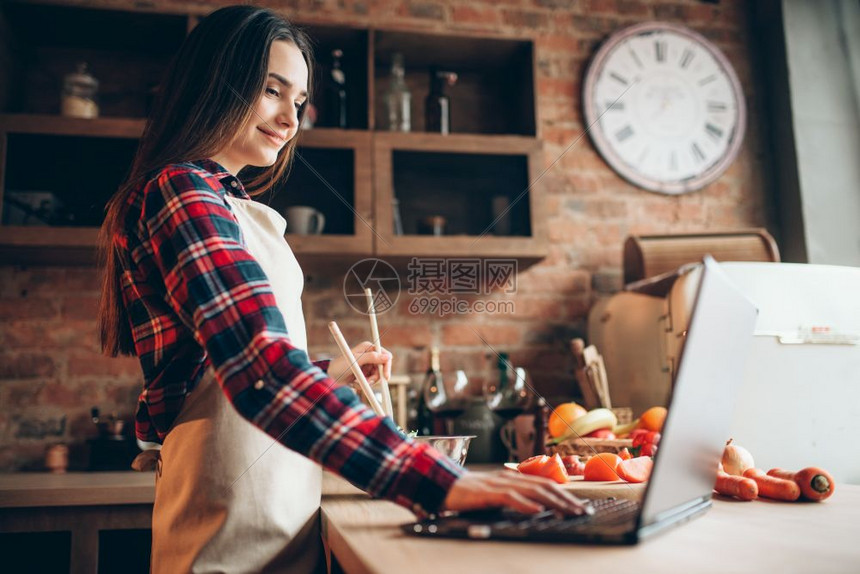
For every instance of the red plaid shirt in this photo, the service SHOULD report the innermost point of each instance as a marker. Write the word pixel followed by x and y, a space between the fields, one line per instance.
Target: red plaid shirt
pixel 197 298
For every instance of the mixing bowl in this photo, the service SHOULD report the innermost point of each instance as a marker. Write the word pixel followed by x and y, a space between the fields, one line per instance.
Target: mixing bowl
pixel 454 447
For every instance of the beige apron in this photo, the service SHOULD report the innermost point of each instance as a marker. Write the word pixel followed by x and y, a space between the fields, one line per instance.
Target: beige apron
pixel 228 498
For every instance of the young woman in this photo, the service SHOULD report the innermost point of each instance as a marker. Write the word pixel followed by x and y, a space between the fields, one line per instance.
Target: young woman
pixel 201 286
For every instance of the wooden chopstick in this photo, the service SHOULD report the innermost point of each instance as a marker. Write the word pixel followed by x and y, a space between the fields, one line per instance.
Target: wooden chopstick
pixel 374 331
pixel 356 368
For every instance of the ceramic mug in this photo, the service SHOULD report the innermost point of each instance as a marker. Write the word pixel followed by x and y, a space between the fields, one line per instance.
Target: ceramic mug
pixel 518 436
pixel 303 220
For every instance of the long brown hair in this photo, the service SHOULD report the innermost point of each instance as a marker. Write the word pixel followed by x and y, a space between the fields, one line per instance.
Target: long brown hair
pixel 205 98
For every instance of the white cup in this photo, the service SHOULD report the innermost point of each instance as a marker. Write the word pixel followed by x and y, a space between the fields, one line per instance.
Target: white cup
pixel 303 220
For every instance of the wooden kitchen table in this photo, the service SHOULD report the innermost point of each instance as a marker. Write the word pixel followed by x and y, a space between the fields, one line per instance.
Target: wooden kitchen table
pixel 363 536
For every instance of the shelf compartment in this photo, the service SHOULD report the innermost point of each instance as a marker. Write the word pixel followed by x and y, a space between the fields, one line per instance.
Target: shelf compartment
pixel 354 44
pixel 457 177
pixel 495 89
pixel 37 159
pixel 49 40
pixel 331 173
pixel 82 172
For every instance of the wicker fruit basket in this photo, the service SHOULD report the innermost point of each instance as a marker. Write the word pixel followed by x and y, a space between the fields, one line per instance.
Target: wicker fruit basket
pixel 591 446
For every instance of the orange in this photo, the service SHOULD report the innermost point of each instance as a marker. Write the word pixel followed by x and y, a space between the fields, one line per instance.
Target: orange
pixel 602 466
pixel 561 418
pixel 653 419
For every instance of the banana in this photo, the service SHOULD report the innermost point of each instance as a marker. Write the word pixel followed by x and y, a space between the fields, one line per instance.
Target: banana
pixel 621 430
pixel 589 422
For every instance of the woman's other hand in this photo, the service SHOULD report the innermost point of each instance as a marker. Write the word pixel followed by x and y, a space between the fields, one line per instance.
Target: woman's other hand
pixel 367 358
pixel 519 492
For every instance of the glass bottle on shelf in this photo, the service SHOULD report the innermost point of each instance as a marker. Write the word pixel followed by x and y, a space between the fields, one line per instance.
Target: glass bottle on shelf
pixel 398 99
pixel 437 110
pixel 78 99
pixel 335 113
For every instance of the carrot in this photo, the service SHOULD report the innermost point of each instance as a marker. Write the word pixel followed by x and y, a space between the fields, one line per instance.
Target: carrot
pixel 772 486
pixel 815 483
pixel 736 486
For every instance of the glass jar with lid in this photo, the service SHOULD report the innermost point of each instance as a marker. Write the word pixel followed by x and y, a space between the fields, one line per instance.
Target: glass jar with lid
pixel 80 89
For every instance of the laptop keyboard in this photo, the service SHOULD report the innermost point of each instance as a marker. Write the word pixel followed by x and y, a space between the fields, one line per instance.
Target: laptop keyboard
pixel 503 523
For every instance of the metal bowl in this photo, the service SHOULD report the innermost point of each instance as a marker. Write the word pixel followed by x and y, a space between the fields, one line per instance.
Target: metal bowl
pixel 454 447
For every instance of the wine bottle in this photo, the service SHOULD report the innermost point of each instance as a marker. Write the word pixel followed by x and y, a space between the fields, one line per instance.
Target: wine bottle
pixel 541 412
pixel 437 109
pixel 336 95
pixel 432 379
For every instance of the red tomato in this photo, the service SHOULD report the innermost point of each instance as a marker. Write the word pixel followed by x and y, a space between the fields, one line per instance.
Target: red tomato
pixel 554 470
pixel 636 469
pixel 533 464
pixel 601 433
pixel 646 441
pixel 573 465
pixel 638 437
pixel 625 454
pixel 550 467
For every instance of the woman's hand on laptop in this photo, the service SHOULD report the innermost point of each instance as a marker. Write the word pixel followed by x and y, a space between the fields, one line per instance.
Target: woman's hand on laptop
pixel 519 492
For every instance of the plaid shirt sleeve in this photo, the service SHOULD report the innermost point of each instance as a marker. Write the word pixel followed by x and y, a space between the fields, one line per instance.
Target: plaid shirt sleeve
pixel 220 293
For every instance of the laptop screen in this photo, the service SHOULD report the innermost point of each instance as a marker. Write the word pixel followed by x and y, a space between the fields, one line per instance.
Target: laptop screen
pixel 708 381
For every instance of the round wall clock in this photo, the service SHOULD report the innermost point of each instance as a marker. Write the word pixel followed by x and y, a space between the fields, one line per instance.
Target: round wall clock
pixel 664 107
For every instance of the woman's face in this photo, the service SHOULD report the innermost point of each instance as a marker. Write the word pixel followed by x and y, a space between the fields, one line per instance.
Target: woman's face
pixel 274 120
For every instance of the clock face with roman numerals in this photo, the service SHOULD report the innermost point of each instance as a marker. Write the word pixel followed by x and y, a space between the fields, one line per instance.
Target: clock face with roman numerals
pixel 664 107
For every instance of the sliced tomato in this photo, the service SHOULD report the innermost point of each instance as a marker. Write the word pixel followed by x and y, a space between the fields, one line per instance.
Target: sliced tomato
pixel 533 464
pixel 570 461
pixel 550 467
pixel 577 470
pixel 554 470
pixel 625 454
pixel 635 469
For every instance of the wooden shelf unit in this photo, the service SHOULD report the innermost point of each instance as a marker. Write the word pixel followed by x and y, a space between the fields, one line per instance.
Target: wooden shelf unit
pixel 493 114
pixel 435 178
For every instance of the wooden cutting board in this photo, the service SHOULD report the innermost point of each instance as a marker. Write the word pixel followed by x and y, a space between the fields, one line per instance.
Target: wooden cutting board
pixel 605 489
pixel 600 489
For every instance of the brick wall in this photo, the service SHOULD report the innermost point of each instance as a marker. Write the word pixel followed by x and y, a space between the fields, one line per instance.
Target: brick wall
pixel 51 372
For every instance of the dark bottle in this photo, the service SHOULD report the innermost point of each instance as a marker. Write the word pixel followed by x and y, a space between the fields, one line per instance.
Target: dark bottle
pixel 437 110
pixel 541 413
pixel 432 380
pixel 335 110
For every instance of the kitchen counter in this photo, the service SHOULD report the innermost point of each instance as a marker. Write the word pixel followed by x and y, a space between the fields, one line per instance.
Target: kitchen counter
pixel 32 489
pixel 362 535
pixel 27 489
